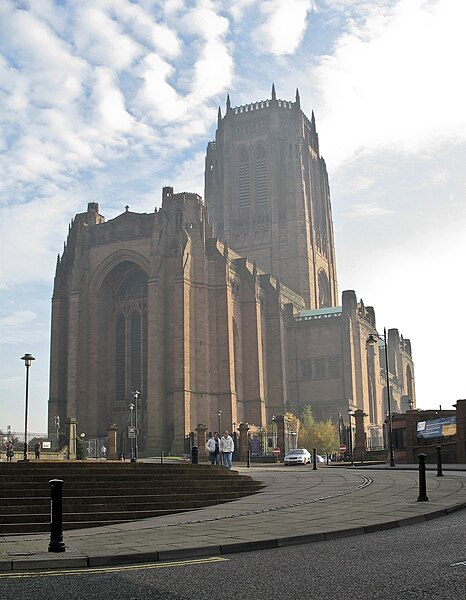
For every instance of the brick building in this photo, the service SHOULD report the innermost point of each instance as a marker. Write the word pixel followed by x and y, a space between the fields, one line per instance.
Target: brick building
pixel 228 306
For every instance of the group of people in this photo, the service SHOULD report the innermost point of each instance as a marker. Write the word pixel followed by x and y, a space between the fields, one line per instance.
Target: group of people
pixel 220 449
pixel 10 450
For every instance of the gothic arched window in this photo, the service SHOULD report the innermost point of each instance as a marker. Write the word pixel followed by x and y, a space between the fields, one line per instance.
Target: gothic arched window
pixel 136 351
pixel 244 185
pixel 130 306
pixel 409 385
pixel 261 177
pixel 324 289
pixel 120 358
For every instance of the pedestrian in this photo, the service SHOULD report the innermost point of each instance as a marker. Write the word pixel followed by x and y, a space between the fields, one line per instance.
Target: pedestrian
pixel 227 447
pixel 213 447
pixel 103 451
pixel 9 451
pixel 37 450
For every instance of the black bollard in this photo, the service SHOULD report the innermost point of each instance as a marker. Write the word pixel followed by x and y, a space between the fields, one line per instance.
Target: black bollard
pixel 195 455
pixel 249 459
pixel 56 518
pixel 314 459
pixel 422 479
pixel 439 462
pixel 161 457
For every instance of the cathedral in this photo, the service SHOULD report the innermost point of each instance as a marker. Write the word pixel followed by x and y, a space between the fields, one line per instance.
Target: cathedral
pixel 226 305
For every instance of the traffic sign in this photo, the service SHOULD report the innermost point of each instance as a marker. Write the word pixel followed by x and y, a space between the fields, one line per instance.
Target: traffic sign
pixel 276 451
pixel 342 448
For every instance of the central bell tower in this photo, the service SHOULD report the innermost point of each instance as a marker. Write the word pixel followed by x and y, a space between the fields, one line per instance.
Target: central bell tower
pixel 268 197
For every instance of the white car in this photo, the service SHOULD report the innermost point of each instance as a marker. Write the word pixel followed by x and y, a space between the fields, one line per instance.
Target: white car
pixel 300 456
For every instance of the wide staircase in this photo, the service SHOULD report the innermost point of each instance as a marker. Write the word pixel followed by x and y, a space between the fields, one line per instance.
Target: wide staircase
pixel 104 493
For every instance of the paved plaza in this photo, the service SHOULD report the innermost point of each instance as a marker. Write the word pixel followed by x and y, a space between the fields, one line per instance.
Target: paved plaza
pixel 297 505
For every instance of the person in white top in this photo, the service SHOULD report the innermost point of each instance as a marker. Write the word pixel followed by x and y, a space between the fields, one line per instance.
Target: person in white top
pixel 227 447
pixel 213 448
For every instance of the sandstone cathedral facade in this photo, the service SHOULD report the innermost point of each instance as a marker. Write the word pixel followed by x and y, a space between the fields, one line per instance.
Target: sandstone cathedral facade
pixel 229 304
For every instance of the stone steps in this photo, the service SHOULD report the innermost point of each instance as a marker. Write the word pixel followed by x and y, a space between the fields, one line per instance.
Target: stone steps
pixel 98 503
pixel 103 493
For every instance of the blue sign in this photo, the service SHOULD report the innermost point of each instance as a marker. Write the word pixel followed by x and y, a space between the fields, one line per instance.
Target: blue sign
pixel 436 428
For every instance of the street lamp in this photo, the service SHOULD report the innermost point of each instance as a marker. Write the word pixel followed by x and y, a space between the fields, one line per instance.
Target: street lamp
pixel 28 358
pixel 372 340
pixel 132 431
pixel 219 415
pixel 82 436
pixel 274 443
pixel 136 396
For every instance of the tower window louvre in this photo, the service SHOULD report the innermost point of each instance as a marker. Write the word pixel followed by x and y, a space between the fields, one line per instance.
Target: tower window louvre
pixel 261 177
pixel 244 193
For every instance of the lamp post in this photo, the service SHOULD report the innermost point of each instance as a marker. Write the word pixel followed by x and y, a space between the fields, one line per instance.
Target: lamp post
pixel 372 340
pixel 219 415
pixel 82 436
pixel 28 358
pixel 132 431
pixel 136 396
pixel 273 432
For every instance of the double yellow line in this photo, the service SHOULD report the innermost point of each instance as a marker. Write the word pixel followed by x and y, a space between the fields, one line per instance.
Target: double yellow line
pixel 116 569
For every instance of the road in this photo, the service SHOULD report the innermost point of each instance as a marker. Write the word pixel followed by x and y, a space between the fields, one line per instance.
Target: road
pixel 419 561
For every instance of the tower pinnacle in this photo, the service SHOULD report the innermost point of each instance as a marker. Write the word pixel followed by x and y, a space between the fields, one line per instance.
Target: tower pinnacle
pixel 274 95
pixel 298 99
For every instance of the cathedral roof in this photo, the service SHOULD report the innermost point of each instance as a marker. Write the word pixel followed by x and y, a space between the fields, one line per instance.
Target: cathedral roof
pixel 319 313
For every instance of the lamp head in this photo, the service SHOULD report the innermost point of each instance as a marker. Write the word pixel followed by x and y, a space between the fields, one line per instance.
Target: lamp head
pixel 28 358
pixel 372 340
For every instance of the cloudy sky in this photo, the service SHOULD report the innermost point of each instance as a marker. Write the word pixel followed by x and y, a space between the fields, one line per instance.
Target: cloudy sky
pixel 108 100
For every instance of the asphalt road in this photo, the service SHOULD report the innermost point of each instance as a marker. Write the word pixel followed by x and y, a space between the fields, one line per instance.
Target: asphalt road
pixel 416 562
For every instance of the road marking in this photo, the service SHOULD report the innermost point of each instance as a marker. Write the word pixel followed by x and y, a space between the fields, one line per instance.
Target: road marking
pixel 459 564
pixel 116 569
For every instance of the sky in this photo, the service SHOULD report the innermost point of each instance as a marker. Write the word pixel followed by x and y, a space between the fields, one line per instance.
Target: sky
pixel 109 100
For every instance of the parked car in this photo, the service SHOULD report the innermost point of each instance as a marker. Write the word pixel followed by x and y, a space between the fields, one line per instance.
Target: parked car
pixel 320 459
pixel 299 456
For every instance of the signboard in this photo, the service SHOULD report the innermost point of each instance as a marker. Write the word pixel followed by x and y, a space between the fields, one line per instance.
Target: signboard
pixel 436 428
pixel 342 448
pixel 131 431
pixel 46 444
pixel 276 451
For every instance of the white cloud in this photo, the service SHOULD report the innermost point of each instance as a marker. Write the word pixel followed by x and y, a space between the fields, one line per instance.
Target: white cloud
pixel 368 210
pixel 398 73
pixel 158 36
pixel 18 317
pixel 237 8
pixel 100 39
pixel 109 102
pixel 284 26
pixel 157 97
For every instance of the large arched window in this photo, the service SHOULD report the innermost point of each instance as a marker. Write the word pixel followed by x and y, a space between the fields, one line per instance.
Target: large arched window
pixel 324 289
pixel 120 358
pixel 261 177
pixel 244 184
pixel 130 334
